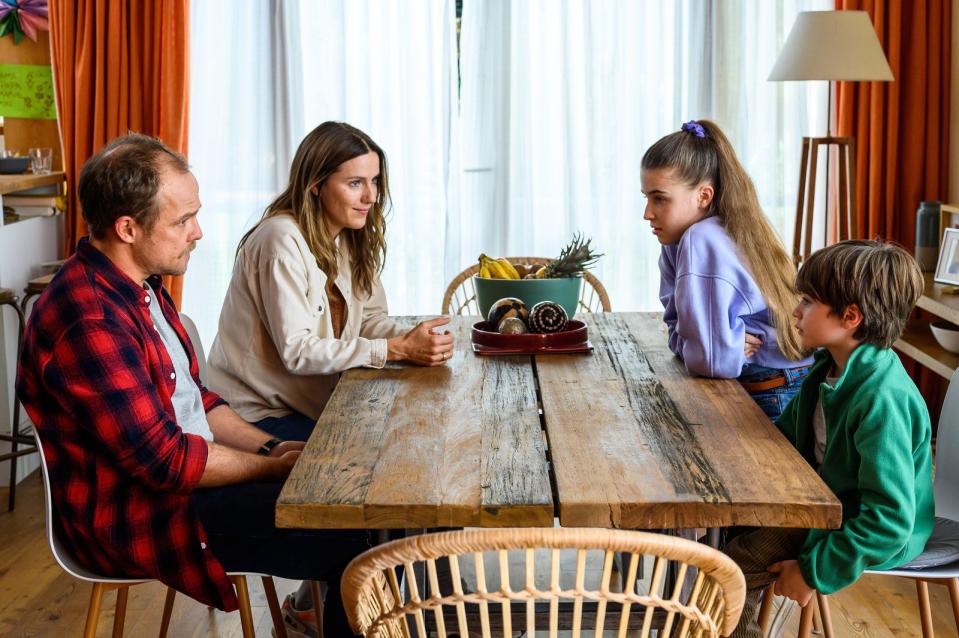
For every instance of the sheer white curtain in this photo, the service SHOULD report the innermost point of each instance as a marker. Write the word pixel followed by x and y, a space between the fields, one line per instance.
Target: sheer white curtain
pixel 265 74
pixel 561 99
pixel 233 141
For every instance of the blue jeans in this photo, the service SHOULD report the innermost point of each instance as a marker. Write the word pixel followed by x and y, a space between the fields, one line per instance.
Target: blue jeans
pixel 239 523
pixel 292 427
pixel 773 401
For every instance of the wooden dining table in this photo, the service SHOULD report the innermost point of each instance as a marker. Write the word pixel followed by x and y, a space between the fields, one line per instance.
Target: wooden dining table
pixel 621 437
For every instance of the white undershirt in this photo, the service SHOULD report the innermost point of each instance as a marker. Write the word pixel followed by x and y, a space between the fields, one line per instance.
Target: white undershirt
pixel 819 425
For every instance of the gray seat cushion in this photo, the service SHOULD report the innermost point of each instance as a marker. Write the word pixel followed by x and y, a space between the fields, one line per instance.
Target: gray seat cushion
pixel 942 547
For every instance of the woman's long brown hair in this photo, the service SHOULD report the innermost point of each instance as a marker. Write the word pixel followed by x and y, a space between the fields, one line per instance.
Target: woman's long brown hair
pixel 711 159
pixel 319 155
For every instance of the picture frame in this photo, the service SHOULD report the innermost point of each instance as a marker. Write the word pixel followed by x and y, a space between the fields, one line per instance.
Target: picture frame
pixel 947 267
pixel 948 218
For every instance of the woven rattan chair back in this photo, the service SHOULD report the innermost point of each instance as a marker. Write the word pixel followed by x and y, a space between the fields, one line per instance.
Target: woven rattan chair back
pixel 460 295
pixel 495 582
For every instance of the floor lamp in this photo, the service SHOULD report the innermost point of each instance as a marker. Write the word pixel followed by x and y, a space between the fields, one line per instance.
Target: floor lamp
pixel 831 46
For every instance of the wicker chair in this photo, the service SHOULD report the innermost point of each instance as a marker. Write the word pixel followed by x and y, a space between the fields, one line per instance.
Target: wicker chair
pixel 460 297
pixel 590 598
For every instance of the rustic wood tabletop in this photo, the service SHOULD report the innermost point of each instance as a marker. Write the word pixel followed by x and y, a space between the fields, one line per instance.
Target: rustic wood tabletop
pixel 622 437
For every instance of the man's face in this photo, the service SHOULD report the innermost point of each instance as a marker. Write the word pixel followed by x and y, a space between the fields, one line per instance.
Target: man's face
pixel 165 248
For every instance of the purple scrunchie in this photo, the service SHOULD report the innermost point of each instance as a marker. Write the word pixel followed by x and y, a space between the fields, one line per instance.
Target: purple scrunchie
pixel 694 127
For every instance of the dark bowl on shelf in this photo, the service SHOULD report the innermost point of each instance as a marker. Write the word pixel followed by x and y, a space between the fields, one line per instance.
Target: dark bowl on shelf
pixel 13 165
pixel 484 333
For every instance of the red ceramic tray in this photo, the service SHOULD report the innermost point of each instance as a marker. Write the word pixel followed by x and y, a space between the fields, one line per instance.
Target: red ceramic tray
pixel 573 340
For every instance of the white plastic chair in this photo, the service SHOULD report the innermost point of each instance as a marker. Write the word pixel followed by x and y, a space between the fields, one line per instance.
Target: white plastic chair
pixel 946 491
pixel 103 584
pixel 194 335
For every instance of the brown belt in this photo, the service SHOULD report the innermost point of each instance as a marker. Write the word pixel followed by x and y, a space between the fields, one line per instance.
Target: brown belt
pixel 768 384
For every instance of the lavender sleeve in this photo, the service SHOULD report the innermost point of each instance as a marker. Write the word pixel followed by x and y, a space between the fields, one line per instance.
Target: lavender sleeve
pixel 704 316
pixel 667 295
pixel 710 333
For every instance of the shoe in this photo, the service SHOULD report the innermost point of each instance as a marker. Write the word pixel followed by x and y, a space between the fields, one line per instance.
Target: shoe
pixel 299 623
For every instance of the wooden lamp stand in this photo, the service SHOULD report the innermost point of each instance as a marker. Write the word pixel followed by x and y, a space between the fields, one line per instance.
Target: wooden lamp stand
pixel 843 211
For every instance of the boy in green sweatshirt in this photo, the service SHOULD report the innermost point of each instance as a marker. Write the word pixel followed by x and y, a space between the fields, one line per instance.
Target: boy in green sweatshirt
pixel 860 420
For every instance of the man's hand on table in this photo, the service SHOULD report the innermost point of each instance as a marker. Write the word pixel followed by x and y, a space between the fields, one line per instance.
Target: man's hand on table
pixel 285 461
pixel 283 447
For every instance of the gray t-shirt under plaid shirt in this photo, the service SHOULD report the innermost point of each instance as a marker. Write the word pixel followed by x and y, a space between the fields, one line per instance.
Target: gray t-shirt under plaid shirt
pixel 187 402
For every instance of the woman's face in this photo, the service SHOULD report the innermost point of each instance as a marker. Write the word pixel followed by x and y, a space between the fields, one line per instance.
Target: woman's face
pixel 673 206
pixel 348 194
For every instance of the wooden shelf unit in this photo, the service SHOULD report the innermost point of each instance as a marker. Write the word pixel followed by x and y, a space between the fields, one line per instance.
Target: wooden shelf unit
pixel 917 341
pixel 14 183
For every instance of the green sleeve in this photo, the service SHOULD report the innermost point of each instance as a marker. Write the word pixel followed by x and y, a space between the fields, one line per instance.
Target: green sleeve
pixel 833 559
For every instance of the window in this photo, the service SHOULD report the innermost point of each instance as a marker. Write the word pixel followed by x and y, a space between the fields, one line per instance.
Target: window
pixel 531 131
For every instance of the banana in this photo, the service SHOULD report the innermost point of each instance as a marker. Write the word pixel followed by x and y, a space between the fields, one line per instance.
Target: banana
pixel 496 269
pixel 484 271
pixel 508 268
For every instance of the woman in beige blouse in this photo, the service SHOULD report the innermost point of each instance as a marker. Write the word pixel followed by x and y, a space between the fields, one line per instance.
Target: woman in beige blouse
pixel 305 302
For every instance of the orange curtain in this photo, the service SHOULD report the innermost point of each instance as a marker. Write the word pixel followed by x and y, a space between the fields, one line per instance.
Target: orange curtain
pixel 902 129
pixel 119 66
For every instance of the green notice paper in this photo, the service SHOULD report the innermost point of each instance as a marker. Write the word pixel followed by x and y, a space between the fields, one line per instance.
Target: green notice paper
pixel 26 90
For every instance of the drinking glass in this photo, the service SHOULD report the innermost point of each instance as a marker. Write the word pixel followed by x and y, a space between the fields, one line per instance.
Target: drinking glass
pixel 41 160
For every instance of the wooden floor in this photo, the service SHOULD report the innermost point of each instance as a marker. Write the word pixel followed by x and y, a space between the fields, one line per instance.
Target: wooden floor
pixel 38 599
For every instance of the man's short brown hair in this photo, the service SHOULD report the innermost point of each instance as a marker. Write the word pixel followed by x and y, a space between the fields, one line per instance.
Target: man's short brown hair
pixel 123 178
pixel 881 278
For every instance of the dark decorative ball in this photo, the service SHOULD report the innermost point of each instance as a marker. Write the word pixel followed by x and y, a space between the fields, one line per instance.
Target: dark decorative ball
pixel 512 326
pixel 547 316
pixel 507 307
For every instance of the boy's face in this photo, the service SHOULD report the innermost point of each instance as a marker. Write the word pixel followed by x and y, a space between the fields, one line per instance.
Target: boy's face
pixel 820 327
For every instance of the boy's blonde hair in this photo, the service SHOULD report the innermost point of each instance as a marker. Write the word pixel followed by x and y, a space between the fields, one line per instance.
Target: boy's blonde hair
pixel 881 278
pixel 706 155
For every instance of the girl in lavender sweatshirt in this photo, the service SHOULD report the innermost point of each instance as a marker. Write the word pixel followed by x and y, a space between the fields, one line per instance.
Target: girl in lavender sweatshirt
pixel 727 282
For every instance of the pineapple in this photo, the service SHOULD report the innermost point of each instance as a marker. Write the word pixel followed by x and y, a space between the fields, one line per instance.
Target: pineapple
pixel 576 257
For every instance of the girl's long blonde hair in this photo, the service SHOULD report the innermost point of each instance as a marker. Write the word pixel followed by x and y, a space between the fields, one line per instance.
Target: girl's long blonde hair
pixel 319 155
pixel 711 159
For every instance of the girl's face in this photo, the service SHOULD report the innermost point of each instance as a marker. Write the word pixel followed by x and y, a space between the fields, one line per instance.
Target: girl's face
pixel 671 205
pixel 348 194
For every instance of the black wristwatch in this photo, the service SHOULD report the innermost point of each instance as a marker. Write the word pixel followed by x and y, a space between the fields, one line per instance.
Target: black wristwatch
pixel 268 446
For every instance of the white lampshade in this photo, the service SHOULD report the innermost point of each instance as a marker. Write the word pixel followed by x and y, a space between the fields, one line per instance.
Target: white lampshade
pixel 832 45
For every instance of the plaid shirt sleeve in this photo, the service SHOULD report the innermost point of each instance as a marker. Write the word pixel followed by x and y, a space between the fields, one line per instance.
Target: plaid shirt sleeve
pixel 98 373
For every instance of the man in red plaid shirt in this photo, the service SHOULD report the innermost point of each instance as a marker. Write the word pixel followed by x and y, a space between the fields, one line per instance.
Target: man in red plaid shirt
pixel 152 474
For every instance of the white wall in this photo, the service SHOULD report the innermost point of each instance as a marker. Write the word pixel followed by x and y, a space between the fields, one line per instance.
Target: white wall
pixel 23 246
